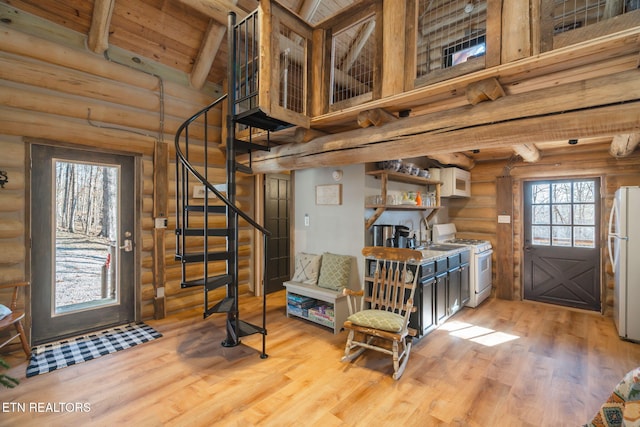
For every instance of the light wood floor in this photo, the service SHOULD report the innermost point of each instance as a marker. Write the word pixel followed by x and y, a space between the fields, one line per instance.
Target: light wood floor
pixel 556 368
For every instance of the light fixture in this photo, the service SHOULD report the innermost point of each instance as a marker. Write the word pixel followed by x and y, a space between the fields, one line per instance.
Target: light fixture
pixel 337 175
pixel 573 141
pixel 136 60
pixel 468 8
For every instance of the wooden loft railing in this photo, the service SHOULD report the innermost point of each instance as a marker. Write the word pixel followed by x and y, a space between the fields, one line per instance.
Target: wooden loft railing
pixel 526 47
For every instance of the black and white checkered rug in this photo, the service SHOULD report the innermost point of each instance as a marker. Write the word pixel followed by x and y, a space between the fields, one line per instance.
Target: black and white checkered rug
pixel 49 357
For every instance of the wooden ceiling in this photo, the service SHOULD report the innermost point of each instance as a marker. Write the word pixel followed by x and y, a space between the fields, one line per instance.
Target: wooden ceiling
pixel 170 32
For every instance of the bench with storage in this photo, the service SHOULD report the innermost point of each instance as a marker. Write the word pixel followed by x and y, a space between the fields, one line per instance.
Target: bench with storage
pixel 315 290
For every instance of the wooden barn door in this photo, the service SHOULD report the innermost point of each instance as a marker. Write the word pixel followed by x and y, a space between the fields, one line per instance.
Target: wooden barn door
pixel 82 257
pixel 277 200
pixel 562 245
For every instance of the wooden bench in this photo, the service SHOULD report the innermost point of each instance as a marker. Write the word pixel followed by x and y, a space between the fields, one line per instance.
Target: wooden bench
pixel 333 297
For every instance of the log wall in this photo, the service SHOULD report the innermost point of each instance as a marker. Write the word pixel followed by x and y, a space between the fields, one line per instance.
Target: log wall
pixel 67 95
pixel 476 217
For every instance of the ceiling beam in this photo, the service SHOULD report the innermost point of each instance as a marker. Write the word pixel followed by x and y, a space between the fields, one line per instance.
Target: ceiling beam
pixel 208 50
pixel 362 146
pixel 456 159
pixel 528 152
pixel 375 117
pixel 623 145
pixel 308 9
pixel 478 127
pixel 216 9
pixel 98 39
pixel 357 45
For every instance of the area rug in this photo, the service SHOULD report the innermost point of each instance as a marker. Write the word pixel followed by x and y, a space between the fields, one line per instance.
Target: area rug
pixel 49 357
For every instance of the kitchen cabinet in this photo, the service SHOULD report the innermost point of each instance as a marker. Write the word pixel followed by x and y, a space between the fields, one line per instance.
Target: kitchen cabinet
pixel 385 176
pixel 443 289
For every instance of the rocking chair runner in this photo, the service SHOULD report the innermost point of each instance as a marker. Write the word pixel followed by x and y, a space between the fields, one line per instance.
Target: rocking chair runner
pixel 381 316
pixel 15 318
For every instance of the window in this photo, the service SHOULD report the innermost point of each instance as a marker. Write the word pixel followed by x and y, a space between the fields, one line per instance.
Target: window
pixel 563 213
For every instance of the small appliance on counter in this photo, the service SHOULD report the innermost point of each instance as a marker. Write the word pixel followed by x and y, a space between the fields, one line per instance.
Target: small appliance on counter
pixel 382 233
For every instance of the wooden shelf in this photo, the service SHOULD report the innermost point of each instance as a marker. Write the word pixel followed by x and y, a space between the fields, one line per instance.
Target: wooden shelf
pixel 403 177
pixel 385 176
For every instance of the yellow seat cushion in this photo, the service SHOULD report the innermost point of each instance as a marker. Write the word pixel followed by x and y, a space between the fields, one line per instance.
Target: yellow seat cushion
pixel 378 319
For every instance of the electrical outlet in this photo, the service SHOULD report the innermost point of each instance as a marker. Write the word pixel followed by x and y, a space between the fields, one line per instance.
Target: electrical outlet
pixel 306 220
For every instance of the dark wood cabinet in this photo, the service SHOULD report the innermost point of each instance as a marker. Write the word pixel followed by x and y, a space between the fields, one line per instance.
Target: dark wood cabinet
pixel 443 289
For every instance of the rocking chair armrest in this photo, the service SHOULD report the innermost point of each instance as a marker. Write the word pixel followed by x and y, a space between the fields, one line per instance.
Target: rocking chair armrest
pixel 13 285
pixel 351 292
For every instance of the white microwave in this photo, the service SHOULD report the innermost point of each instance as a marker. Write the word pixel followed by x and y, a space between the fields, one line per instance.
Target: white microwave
pixel 455 182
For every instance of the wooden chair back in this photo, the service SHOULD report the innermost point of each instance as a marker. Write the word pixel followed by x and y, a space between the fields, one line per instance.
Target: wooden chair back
pixel 394 282
pixel 15 318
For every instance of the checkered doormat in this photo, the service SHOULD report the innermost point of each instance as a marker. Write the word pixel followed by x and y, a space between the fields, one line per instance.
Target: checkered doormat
pixel 49 357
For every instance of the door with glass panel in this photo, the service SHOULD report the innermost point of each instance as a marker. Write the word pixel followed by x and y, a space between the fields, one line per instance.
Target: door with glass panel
pixel 561 242
pixel 82 257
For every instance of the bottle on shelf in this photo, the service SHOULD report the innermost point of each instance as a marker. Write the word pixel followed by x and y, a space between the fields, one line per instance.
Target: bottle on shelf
pixel 418 199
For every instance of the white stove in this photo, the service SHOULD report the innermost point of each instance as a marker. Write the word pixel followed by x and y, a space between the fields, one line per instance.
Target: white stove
pixel 480 276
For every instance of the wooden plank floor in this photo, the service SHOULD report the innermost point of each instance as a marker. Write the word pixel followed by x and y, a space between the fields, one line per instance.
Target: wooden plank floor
pixel 502 364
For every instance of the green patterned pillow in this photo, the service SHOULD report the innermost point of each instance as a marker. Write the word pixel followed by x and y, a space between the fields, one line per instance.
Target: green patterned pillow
pixel 307 267
pixel 378 319
pixel 335 270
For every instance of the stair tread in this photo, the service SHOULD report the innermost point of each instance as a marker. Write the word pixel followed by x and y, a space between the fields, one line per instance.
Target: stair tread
pixel 247 328
pixel 210 208
pixel 200 256
pixel 211 283
pixel 200 231
pixel 225 305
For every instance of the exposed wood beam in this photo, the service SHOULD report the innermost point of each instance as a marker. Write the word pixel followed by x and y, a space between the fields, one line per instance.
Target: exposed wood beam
pixel 478 127
pixel 362 146
pixel 308 9
pixel 375 117
pixel 305 135
pixel 208 51
pixel 358 44
pixel 456 159
pixel 484 90
pixel 98 39
pixel 623 145
pixel 528 152
pixel 216 9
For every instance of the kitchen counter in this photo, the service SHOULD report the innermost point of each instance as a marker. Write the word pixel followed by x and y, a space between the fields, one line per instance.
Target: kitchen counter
pixel 434 252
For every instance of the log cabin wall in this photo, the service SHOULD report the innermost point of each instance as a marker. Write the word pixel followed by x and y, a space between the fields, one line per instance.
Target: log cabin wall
pixel 60 93
pixel 476 217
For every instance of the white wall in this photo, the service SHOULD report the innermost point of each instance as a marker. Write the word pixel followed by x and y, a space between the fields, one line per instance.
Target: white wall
pixel 336 229
pixel 340 229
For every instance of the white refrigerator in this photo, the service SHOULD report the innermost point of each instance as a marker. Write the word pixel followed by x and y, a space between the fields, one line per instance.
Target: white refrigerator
pixel 624 250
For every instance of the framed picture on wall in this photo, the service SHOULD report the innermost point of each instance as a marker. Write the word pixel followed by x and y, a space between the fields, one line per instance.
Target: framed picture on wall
pixel 330 194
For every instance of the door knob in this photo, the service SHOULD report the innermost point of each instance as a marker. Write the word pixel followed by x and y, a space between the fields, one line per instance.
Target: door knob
pixel 128 243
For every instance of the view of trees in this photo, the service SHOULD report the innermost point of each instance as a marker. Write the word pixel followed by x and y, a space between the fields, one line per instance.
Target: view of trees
pixel 564 214
pixel 86 199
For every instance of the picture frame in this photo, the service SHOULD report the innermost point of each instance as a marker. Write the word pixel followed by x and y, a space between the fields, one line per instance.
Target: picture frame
pixel 330 194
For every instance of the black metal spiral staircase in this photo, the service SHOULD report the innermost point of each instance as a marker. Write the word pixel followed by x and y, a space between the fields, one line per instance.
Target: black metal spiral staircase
pixel 200 222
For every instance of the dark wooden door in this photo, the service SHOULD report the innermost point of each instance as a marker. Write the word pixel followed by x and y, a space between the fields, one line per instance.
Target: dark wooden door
pixel 82 255
pixel 276 219
pixel 561 244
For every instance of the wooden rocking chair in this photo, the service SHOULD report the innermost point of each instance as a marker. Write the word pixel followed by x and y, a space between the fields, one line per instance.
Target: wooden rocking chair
pixel 379 316
pixel 15 318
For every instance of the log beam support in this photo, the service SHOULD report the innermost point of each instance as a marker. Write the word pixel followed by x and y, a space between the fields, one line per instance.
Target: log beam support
pixel 456 159
pixel 624 145
pixel 528 152
pixel 301 135
pixel 484 90
pixel 375 117
pixel 98 39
